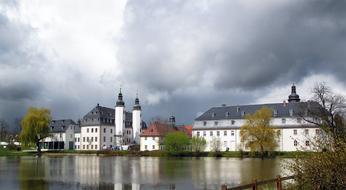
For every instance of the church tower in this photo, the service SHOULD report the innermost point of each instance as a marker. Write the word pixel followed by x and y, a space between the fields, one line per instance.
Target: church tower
pixel 136 121
pixel 119 119
pixel 293 97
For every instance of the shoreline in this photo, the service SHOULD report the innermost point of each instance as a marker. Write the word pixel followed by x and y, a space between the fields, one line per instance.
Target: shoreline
pixel 230 154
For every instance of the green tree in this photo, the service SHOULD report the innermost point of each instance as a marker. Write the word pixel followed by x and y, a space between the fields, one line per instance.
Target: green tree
pixel 176 142
pixel 326 168
pixel 257 132
pixel 35 126
pixel 198 144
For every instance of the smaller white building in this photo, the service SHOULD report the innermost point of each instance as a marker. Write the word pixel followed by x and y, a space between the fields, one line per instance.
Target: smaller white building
pixel 62 135
pixel 152 138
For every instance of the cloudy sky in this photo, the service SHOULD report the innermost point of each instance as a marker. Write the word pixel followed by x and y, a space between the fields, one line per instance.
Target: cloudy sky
pixel 182 57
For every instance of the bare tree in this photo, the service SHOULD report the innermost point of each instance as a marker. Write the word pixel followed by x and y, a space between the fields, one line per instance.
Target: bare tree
pixel 3 130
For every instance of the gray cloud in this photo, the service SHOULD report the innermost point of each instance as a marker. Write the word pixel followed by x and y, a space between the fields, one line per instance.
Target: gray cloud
pixel 232 44
pixel 183 56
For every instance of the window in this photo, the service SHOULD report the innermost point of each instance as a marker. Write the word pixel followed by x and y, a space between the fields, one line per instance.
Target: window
pixel 218 133
pixel 275 113
pixel 75 139
pixel 145 138
pixel 87 139
pixel 104 130
pixel 104 139
pixel 283 120
pixel 227 114
pixel 216 123
pixel 92 139
pixel 83 139
pixel 92 130
pixel 232 133
pixel 95 130
pixel 83 146
pixel 95 146
pixel 146 147
pixel 224 133
pixel 233 122
pixel 87 130
pixel 291 112
pixel 95 139
pixel 153 138
pixel 295 132
pixel 111 139
pixel 197 133
pixel 204 133
pixel 91 146
pixel 299 120
pixel 238 109
pixel 213 115
pixel 243 113
pixel 111 130
pixel 295 143
pixel 317 131
pixel 153 147
pixel 211 133
pixel 306 131
pixel 307 143
pixel 204 123
pixel 87 146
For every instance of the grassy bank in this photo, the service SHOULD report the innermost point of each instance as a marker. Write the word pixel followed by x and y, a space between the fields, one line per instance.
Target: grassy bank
pixel 230 154
pixel 6 152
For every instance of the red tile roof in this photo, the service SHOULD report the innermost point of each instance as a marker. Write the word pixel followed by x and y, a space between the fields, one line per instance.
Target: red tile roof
pixel 159 129
pixel 186 129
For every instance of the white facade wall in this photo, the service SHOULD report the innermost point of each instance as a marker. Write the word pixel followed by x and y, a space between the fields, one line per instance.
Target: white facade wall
pixel 227 132
pixel 136 125
pixel 90 138
pixel 77 141
pixel 119 124
pixel 97 137
pixel 149 143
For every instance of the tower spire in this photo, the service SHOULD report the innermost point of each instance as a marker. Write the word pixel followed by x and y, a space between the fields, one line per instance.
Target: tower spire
pixel 120 101
pixel 293 97
pixel 137 106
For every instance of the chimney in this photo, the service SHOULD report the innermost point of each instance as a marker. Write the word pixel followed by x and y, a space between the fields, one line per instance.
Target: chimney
pixel 284 103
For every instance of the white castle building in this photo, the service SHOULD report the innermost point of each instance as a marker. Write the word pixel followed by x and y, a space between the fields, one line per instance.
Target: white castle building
pixel 104 128
pixel 222 124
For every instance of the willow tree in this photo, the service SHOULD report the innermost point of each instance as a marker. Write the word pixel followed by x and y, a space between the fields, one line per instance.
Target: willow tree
pixel 257 134
pixel 35 126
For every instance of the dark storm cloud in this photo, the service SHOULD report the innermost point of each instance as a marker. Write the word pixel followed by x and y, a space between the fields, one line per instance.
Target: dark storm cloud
pixel 232 44
pixel 19 80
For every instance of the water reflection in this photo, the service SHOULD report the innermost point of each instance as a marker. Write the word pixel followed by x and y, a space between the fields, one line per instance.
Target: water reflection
pixel 94 172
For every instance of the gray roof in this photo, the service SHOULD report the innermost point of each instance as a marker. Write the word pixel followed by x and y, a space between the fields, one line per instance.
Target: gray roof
pixel 60 126
pixel 291 109
pixel 99 115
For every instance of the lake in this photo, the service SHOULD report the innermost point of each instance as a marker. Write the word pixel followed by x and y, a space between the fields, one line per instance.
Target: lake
pixel 134 173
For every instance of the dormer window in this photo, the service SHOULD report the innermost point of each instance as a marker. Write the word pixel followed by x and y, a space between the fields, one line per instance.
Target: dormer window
pixel 204 123
pixel 216 123
pixel 213 115
pixel 238 109
pixel 243 113
pixel 275 113
pixel 227 114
